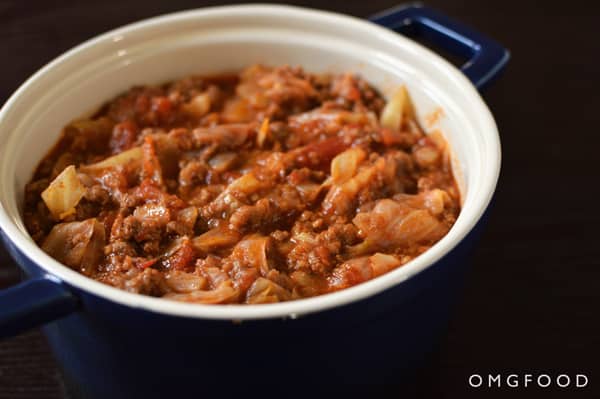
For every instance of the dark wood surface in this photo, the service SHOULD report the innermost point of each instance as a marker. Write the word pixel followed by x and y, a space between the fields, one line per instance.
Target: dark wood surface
pixel 531 302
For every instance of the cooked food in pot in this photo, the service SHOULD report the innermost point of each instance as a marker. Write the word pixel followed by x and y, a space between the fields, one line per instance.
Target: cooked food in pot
pixel 266 186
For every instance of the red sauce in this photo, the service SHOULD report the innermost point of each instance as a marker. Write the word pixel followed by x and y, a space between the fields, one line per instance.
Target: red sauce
pixel 266 186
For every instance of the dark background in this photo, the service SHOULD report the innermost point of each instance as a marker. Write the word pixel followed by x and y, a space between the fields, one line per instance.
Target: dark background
pixel 532 298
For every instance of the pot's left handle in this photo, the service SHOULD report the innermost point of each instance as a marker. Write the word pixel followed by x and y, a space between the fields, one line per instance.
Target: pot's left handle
pixel 33 303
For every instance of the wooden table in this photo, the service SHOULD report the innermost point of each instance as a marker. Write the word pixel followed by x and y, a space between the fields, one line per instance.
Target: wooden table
pixel 531 301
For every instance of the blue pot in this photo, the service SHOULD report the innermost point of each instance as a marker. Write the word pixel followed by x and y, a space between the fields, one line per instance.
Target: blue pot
pixel 109 349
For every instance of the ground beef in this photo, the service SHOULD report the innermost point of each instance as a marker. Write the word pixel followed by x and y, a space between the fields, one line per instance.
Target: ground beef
pixel 269 185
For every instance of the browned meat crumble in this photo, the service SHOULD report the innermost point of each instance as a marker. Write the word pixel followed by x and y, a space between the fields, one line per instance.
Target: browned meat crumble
pixel 269 185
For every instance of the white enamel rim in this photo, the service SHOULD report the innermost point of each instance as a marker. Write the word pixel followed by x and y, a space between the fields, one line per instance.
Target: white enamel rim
pixel 467 220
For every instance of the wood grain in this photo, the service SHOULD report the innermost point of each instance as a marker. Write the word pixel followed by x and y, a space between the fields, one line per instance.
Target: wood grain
pixel 531 300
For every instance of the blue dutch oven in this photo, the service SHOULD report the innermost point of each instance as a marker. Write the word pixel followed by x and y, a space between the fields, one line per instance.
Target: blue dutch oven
pixel 114 344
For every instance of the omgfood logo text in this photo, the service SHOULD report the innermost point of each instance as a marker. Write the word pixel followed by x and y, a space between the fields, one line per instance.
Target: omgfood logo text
pixel 528 380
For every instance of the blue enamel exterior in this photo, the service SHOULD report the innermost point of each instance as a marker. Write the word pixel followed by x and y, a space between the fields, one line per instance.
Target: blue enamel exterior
pixel 485 57
pixel 108 350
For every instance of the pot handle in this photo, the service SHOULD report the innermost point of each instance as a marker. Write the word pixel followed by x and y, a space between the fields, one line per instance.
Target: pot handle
pixel 485 57
pixel 33 303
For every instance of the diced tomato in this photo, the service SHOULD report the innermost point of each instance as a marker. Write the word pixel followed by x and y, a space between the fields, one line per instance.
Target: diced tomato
pixel 151 168
pixel 390 136
pixel 147 264
pixel 142 104
pixel 319 155
pixel 353 93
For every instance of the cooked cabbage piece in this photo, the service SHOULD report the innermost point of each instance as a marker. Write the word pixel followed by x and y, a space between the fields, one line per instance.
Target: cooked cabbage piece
pixel 345 165
pixel 78 245
pixel 64 193
pixel 393 224
pixel 268 185
pixel 266 291
pixel 396 109
pixel 223 293
pixel 215 239
pixel 359 270
pixel 131 158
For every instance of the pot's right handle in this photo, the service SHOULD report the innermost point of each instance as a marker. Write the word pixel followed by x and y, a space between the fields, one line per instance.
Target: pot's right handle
pixel 485 57
pixel 33 303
